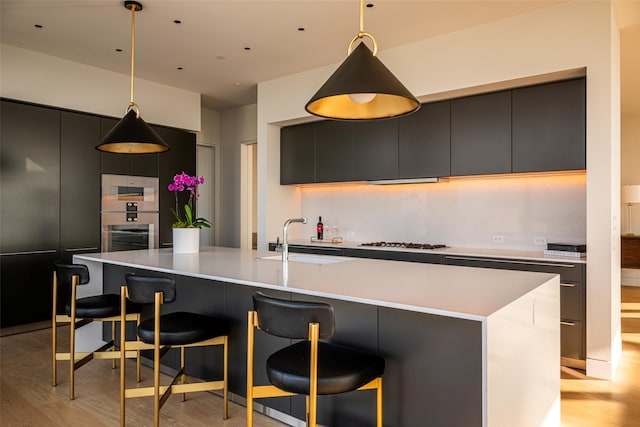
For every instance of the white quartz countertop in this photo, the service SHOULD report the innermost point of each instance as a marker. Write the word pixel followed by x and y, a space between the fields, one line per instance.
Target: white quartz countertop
pixel 463 292
pixel 454 251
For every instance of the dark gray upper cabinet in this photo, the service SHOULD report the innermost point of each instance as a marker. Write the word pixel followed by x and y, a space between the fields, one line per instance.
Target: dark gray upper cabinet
pixel 79 183
pixel 126 164
pixel 424 142
pixel 298 154
pixel 181 157
pixel 334 151
pixel 376 150
pixel 481 134
pixel 549 127
pixel 30 178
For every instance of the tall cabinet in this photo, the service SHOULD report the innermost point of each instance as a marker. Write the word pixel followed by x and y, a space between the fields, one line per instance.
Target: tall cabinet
pixel 50 196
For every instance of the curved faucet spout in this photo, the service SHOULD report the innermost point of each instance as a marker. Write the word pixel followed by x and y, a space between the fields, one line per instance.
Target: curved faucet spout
pixel 285 239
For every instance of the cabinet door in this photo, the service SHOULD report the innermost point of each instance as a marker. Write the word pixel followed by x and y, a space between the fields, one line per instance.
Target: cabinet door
pixel 79 183
pixel 30 178
pixel 376 150
pixel 424 144
pixel 111 163
pixel 549 127
pixel 481 134
pixel 181 157
pixel 334 151
pixel 298 154
pixel 26 287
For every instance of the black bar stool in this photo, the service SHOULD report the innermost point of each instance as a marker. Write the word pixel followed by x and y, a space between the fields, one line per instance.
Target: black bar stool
pixel 162 332
pixel 77 312
pixel 309 367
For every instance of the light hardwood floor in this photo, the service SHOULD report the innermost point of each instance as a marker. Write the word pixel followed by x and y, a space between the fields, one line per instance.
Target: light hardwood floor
pixel 28 399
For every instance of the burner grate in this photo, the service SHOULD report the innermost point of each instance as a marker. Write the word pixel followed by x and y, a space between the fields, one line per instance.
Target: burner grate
pixel 410 245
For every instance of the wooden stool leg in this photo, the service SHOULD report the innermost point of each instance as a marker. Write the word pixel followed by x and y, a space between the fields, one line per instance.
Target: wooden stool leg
pixel 72 338
pixel 54 332
pixel 183 377
pixel 115 344
pixel 225 392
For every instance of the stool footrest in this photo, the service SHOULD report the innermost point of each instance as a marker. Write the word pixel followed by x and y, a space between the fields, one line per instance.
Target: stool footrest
pixel 269 391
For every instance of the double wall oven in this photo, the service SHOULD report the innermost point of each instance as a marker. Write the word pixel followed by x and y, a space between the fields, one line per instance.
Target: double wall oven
pixel 129 213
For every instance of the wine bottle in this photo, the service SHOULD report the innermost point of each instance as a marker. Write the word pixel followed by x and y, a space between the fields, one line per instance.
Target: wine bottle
pixel 320 228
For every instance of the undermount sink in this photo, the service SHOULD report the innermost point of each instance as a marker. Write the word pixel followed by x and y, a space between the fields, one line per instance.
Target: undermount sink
pixel 308 258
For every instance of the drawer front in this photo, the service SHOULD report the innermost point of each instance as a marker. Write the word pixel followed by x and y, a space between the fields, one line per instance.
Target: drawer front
pixel 572 303
pixel 427 258
pixel 572 339
pixel 568 272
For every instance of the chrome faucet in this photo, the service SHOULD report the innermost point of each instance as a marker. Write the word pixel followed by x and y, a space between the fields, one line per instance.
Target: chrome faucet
pixel 285 240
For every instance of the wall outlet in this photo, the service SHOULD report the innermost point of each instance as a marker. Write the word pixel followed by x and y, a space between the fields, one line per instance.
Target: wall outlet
pixel 539 240
pixel 497 239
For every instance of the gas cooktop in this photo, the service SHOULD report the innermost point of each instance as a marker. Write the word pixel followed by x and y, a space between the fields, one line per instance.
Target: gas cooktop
pixel 404 245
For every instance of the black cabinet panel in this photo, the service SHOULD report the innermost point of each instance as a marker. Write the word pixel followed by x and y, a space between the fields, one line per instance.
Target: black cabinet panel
pixel 26 287
pixel 446 390
pixel 334 151
pixel 376 150
pixel 298 154
pixel 79 184
pixel 481 134
pixel 181 157
pixel 30 178
pixel 572 340
pixel 549 127
pixel 424 144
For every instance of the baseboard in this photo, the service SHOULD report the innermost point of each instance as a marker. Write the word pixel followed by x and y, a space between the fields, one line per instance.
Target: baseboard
pixel 28 327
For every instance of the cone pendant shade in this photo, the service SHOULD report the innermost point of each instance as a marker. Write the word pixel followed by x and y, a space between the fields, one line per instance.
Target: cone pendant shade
pixel 132 135
pixel 362 88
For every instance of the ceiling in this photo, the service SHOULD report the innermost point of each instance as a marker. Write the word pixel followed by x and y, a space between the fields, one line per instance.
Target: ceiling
pixel 223 48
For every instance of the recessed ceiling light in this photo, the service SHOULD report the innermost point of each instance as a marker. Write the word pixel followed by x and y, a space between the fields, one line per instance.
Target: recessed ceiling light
pixel 301 28
pixel 237 83
pixel 221 58
pixel 247 48
pixel 118 49
pixel 177 21
pixel 370 5
pixel 180 68
pixel 38 26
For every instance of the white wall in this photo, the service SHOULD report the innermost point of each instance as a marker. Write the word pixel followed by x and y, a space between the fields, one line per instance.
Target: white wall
pixel 568 36
pixel 238 127
pixel 30 76
pixel 459 213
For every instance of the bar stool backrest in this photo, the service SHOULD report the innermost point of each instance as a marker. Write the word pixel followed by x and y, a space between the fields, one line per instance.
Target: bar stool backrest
pixel 66 271
pixel 290 319
pixel 142 289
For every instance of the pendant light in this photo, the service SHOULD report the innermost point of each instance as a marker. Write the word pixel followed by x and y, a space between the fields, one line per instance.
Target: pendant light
pixel 131 135
pixel 362 88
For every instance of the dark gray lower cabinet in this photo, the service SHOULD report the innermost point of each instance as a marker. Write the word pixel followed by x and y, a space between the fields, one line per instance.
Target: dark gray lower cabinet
pixel 572 298
pixel 433 363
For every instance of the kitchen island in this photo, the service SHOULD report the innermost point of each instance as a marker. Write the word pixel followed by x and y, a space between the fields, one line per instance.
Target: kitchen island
pixel 464 346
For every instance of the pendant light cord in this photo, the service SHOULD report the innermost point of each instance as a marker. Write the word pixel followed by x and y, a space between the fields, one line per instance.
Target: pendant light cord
pixel 132 104
pixel 362 33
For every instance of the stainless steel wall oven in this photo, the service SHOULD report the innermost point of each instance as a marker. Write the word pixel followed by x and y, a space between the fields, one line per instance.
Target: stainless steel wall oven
pixel 130 217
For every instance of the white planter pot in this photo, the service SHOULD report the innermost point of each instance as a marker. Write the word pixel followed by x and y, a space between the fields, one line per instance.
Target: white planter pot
pixel 186 240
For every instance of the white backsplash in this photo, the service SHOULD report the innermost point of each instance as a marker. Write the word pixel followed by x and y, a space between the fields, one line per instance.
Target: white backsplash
pixel 525 211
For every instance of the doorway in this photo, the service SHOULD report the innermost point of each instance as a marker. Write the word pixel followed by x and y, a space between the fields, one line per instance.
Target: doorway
pixel 249 195
pixel 206 165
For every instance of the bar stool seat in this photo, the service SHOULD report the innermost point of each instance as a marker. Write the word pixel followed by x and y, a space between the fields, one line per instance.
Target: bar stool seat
pixel 106 305
pixel 340 369
pixel 183 328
